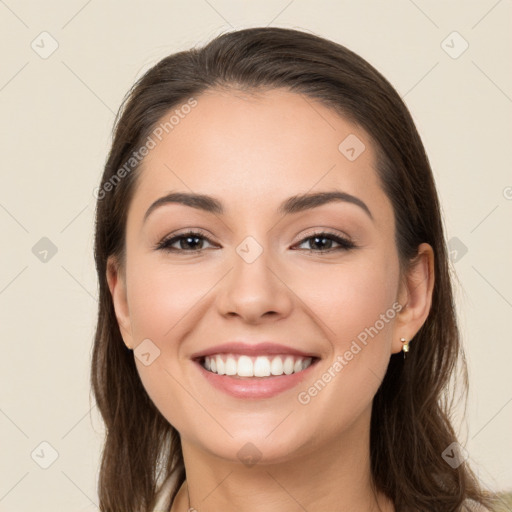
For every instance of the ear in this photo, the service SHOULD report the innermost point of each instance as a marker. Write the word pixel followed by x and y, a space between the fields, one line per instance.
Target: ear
pixel 117 284
pixel 415 296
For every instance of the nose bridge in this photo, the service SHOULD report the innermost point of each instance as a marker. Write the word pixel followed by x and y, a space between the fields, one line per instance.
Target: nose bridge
pixel 252 289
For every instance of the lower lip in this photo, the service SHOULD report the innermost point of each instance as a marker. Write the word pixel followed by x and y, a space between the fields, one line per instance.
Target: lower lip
pixel 255 387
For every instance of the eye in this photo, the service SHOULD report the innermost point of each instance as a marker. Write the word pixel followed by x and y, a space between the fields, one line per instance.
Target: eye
pixel 324 240
pixel 191 241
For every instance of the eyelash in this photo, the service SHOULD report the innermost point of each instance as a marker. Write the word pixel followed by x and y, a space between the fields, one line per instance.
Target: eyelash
pixel 345 244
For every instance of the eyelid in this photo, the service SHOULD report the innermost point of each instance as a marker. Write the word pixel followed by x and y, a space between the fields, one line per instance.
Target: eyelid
pixel 182 233
pixel 323 231
pixel 344 241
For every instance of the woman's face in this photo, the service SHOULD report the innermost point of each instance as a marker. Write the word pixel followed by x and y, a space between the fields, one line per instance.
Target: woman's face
pixel 261 270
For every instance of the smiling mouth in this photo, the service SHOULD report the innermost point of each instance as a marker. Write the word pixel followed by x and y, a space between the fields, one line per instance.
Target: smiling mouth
pixel 243 366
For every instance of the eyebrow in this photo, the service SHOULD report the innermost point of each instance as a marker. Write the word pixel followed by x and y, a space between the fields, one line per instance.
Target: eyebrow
pixel 294 204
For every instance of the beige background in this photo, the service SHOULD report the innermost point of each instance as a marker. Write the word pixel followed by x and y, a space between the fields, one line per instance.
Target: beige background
pixel 56 117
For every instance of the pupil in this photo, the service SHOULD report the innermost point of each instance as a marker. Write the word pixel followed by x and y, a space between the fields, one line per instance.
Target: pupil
pixel 316 238
pixel 188 241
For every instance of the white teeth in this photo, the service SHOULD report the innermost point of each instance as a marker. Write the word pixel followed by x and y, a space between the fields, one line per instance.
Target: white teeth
pixel 258 366
pixel 230 366
pixel 261 367
pixel 288 365
pixel 220 365
pixel 245 367
pixel 276 367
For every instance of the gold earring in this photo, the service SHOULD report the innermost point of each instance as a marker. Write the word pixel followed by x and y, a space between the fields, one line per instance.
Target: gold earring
pixel 405 346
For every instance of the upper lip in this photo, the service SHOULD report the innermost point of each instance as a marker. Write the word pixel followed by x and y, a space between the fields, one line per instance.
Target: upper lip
pixel 252 349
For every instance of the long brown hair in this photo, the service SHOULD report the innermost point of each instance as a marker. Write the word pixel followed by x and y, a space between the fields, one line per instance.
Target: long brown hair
pixel 410 424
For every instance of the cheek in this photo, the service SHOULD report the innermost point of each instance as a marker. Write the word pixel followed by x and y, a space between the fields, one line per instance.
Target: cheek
pixel 165 304
pixel 356 308
pixel 159 297
pixel 351 299
pixel 360 317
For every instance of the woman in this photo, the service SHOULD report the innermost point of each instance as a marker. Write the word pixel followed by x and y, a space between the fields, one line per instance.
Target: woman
pixel 276 327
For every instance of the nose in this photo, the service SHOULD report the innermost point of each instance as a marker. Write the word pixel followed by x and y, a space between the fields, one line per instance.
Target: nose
pixel 255 291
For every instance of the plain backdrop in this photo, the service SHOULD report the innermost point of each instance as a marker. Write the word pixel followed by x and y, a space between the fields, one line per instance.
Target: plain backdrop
pixel 65 69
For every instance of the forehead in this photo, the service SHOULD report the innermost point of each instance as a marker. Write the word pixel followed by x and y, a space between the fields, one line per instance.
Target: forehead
pixel 258 149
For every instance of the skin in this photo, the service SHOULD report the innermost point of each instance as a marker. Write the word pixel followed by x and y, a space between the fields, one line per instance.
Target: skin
pixel 252 152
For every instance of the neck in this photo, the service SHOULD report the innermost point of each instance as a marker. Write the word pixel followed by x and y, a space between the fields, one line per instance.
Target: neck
pixel 333 475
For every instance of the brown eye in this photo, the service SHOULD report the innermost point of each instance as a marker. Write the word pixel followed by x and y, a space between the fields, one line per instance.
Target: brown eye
pixel 323 242
pixel 191 241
